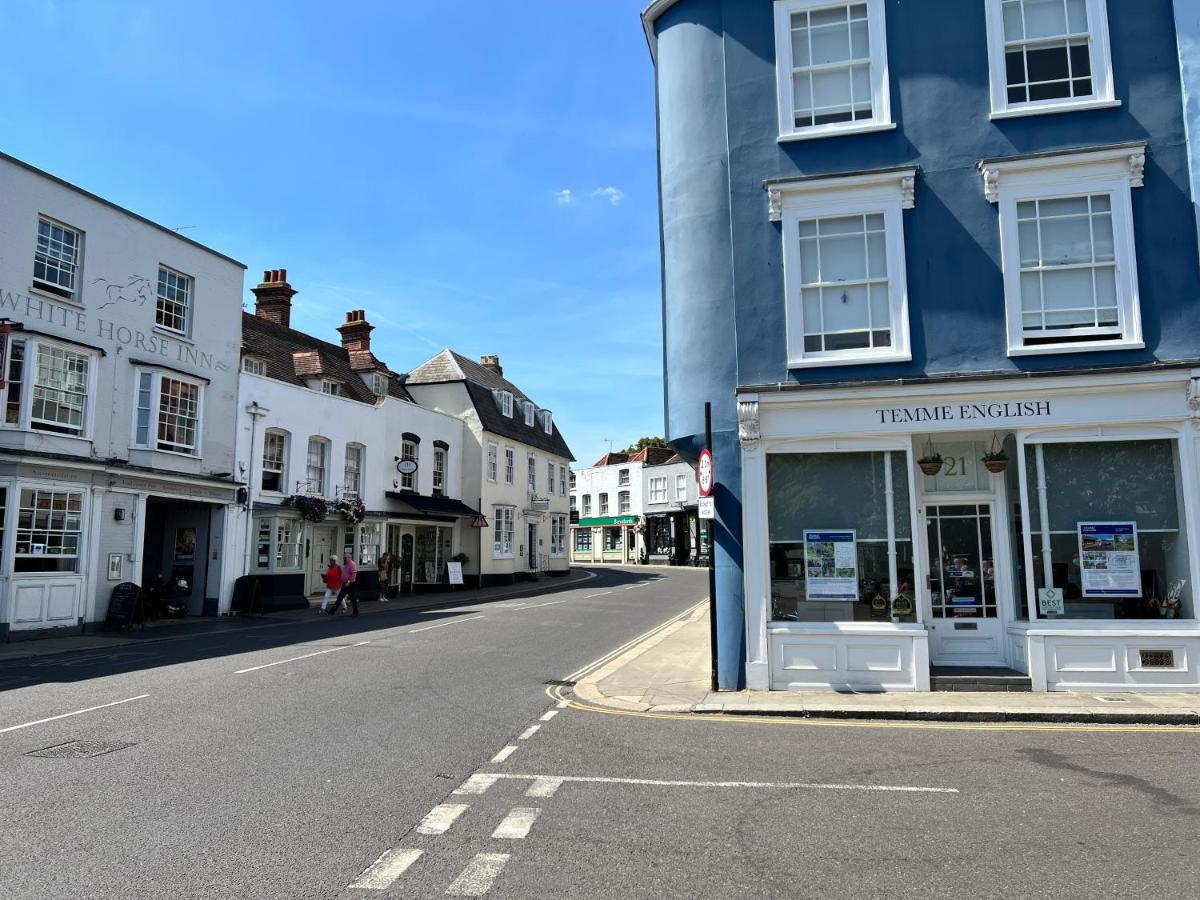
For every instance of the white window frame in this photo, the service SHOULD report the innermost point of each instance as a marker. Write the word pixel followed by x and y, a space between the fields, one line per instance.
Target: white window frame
pixel 1102 96
pixel 529 413
pixel 254 365
pixel 547 419
pixel 587 506
pixel 624 504
pixel 504 402
pixel 622 477
pixel 658 489
pixel 510 465
pixel 357 472
pixel 1112 170
pixel 189 294
pixel 888 193
pixel 319 489
pixel 503 532
pixel 378 383
pixel 53 287
pixel 285 439
pixel 558 536
pixel 550 479
pixel 531 472
pixel 493 462
pixel 881 101
pixel 602 505
pixel 410 450
pixel 154 412
pixel 33 349
pixel 18 491
pixel 562 481
pixel 439 471
pixel 681 490
pixel 331 388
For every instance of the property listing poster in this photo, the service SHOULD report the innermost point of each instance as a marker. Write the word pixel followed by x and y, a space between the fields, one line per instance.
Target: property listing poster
pixel 830 565
pixel 1108 559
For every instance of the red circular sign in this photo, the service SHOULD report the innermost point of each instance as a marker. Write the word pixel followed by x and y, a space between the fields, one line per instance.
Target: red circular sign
pixel 707 474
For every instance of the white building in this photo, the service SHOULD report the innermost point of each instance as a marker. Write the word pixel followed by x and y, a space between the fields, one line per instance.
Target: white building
pixel 637 508
pixel 117 439
pixel 515 464
pixel 339 459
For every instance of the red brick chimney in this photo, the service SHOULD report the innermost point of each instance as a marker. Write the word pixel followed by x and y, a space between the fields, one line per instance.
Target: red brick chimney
pixel 273 298
pixel 491 361
pixel 356 332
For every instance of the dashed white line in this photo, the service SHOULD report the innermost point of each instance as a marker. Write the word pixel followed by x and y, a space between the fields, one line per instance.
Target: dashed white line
pixel 563 704
pixel 516 824
pixel 601 594
pixel 476 784
pixel 476 879
pixel 439 819
pixel 779 785
pixel 528 733
pixel 540 605
pixel 549 714
pixel 544 787
pixel 298 658
pixel 78 712
pixel 385 870
pixel 444 624
pixel 505 753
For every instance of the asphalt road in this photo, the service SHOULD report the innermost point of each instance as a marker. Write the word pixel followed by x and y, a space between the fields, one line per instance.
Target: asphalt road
pixel 415 754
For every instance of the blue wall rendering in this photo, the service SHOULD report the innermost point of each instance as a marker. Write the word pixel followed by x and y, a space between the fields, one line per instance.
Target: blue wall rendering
pixel 723 289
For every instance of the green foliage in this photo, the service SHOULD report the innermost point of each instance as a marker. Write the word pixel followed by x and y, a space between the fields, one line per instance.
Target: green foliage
pixel 645 442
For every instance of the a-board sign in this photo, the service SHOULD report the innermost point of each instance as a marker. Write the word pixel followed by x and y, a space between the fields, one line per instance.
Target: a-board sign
pixel 706 474
pixel 247 595
pixel 124 606
pixel 454 570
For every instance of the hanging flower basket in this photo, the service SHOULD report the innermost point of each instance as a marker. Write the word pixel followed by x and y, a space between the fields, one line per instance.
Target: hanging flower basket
pixel 995 462
pixel 931 465
pixel 312 509
pixel 352 508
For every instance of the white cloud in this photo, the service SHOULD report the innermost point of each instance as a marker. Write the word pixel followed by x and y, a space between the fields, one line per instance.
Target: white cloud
pixel 614 195
pixel 564 197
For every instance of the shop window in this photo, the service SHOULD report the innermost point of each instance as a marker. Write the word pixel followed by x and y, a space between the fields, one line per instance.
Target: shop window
pixel 833 556
pixel 16 379
pixel 832 67
pixel 613 539
pixel 659 540
pixel 432 552
pixel 368 544
pixel 56 259
pixel 274 461
pixel 558 535
pixel 173 305
pixel 288 533
pixel 583 540
pixel 1048 56
pixel 49 526
pixel 262 544
pixel 504 521
pixel 1107 528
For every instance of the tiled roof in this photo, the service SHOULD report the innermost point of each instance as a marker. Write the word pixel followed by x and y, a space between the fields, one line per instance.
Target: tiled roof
pixel 290 355
pixel 651 456
pixel 449 367
pixel 611 459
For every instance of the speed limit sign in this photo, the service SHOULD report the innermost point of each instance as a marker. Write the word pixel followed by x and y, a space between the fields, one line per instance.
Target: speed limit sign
pixel 707 476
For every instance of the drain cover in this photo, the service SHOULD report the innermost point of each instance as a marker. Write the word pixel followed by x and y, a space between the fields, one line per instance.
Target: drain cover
pixel 79 749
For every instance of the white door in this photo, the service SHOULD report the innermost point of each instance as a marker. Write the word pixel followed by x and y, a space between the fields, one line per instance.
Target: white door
pixel 966 617
pixel 323 547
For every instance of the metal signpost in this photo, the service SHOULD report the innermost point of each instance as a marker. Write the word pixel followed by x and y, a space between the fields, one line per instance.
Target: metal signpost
pixel 708 481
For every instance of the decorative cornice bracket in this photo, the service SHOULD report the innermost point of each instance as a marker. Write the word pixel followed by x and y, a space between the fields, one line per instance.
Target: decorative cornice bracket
pixel 774 204
pixel 749 424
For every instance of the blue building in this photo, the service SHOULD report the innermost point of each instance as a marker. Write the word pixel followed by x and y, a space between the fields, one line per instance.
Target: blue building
pixel 934 264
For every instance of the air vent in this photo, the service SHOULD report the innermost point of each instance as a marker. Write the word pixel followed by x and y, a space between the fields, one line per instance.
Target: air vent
pixel 1157 659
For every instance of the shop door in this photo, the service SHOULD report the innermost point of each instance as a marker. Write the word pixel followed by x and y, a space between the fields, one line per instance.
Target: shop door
pixel 966 625
pixel 533 547
pixel 406 562
pixel 324 545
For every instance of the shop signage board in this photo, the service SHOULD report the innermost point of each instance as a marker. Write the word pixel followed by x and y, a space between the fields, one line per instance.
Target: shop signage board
pixel 1108 559
pixel 708 508
pixel 830 565
pixel 454 570
pixel 608 520
pixel 706 473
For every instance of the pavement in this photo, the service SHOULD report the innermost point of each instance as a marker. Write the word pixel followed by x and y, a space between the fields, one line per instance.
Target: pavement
pixel 669 673
pixel 19 646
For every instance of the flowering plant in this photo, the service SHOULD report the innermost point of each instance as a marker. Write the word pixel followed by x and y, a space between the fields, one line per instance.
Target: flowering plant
pixel 313 509
pixel 352 508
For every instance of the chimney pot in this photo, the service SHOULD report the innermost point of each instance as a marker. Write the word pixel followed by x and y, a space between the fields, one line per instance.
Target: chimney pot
pixel 356 331
pixel 491 361
pixel 273 298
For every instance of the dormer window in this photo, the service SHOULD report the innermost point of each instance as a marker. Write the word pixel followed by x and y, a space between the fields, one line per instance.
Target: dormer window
pixel 331 388
pixel 378 383
pixel 529 411
pixel 252 365
pixel 504 401
pixel 547 419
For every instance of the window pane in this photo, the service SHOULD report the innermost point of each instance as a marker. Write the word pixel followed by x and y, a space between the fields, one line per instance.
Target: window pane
pixel 843 258
pixel 845 308
pixel 1044 18
pixel 830 44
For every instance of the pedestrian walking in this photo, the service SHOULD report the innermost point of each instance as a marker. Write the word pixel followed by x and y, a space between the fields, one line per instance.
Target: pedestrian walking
pixel 385 576
pixel 349 577
pixel 333 581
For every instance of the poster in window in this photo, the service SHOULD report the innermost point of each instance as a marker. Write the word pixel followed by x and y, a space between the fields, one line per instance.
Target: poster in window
pixel 1108 559
pixel 830 565
pixel 185 544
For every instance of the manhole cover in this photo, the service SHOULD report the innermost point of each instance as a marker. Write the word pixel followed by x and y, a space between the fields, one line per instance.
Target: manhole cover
pixel 79 749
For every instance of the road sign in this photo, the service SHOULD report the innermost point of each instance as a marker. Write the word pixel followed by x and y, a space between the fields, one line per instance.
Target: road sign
pixel 707 474
pixel 708 508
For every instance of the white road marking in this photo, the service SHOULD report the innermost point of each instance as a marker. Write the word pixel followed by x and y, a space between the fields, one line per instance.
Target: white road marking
pixel 439 819
pixel 476 784
pixel 563 704
pixel 298 658
pixel 78 712
pixel 517 823
pixel 630 587
pixel 505 753
pixel 549 714
pixel 655 782
pixel 444 624
pixel 528 733
pixel 601 594
pixel 381 873
pixel 540 605
pixel 476 879
pixel 544 787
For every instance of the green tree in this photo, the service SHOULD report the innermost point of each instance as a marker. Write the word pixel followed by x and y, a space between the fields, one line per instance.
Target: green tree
pixel 645 442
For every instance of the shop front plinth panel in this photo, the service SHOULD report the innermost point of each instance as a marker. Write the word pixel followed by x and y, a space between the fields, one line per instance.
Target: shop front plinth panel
pixel 1123 662
pixel 846 661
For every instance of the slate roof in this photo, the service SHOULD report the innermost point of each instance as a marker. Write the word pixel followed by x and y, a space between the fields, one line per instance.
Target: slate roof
pixel 449 367
pixel 278 347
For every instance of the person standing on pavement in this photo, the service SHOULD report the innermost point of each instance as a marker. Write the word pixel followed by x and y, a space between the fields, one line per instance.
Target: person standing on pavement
pixel 333 582
pixel 349 577
pixel 385 576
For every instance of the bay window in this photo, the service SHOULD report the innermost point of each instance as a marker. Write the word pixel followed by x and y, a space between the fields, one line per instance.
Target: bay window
pixel 368 544
pixel 277 543
pixel 47 387
pixel 840 535
pixel 167 413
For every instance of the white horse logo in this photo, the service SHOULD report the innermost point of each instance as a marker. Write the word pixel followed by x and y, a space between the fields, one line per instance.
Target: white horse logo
pixel 136 290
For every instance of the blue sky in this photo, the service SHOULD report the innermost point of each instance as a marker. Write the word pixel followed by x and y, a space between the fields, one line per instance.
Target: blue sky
pixel 474 174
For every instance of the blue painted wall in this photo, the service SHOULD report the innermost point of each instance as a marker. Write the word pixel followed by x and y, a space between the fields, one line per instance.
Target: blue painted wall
pixel 722 270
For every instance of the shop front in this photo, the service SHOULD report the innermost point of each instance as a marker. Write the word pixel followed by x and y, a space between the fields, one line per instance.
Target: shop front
pixel 423 535
pixel 1046 528
pixel 605 539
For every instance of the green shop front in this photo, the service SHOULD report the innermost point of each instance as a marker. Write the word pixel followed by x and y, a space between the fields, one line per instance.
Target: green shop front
pixel 605 539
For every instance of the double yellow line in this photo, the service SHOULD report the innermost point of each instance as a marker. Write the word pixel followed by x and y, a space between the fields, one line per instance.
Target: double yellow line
pixel 559 693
